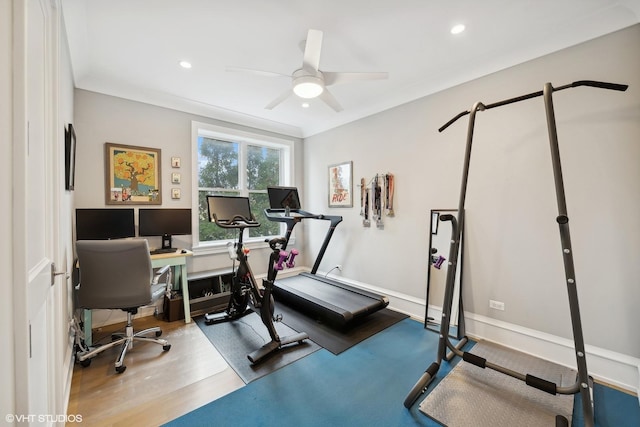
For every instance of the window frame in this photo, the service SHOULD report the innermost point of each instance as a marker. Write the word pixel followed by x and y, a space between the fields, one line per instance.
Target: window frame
pixel 243 138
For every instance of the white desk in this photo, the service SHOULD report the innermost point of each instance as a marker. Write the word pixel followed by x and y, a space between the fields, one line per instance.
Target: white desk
pixel 176 259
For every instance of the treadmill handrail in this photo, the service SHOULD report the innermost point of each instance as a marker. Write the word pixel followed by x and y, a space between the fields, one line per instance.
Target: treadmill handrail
pixel 279 215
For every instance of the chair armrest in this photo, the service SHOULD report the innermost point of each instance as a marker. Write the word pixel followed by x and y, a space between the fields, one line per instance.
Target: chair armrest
pixel 159 273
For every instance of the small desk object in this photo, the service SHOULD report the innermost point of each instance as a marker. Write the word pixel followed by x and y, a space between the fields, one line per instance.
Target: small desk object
pixel 177 259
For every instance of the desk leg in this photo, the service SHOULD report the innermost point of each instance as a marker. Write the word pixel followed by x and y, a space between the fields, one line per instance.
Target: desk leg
pixel 185 293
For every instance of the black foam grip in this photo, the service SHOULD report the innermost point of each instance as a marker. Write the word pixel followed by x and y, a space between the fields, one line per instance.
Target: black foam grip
pixel 562 219
pixel 474 360
pixel 602 85
pixel 433 369
pixel 540 384
pixel 561 421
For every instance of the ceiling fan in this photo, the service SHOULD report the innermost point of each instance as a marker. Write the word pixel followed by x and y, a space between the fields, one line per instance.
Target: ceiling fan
pixel 309 81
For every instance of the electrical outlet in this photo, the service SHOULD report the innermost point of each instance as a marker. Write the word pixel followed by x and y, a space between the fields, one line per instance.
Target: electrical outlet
pixel 496 305
pixel 339 267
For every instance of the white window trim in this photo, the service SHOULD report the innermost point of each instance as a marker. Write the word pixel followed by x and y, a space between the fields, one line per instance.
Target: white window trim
pixel 242 136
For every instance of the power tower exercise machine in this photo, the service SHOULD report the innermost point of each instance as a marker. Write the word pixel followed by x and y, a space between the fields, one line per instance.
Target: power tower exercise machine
pixel 584 382
pixel 326 299
pixel 235 213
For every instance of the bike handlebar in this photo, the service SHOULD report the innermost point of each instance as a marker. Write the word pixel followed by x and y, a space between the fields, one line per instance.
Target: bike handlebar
pixel 238 221
pixel 592 83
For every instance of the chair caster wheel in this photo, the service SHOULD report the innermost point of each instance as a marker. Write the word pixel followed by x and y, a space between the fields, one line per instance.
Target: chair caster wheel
pixel 120 369
pixel 86 362
pixel 166 347
pixel 158 333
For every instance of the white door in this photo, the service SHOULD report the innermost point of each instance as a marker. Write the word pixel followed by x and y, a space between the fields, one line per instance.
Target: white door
pixel 35 198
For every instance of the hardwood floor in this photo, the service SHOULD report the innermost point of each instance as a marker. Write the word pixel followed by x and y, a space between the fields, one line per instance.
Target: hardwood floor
pixel 157 386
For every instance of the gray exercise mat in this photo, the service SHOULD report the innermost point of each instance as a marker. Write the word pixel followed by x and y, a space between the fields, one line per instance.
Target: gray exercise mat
pixel 236 339
pixel 472 396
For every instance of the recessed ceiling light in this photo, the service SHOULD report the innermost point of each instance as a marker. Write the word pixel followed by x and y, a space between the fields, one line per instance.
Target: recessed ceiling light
pixel 305 105
pixel 457 29
pixel 185 64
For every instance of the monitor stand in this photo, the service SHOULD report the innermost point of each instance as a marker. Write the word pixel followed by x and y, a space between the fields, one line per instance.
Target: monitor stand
pixel 166 241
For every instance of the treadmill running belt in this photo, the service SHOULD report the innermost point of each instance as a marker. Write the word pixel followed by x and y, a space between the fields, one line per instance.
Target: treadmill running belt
pixel 326 299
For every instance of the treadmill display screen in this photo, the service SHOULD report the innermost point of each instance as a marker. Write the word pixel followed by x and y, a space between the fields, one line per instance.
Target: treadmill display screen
pixel 284 197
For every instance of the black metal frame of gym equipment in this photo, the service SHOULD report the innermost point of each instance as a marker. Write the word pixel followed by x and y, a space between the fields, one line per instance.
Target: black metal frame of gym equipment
pixel 245 289
pixel 584 383
pixel 334 315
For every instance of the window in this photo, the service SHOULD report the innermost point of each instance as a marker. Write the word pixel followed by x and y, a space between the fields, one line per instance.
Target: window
pixel 236 163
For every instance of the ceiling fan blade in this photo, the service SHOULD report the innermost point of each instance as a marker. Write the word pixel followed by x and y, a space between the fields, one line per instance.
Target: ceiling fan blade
pixel 330 100
pixel 286 94
pixel 312 49
pixel 331 78
pixel 256 72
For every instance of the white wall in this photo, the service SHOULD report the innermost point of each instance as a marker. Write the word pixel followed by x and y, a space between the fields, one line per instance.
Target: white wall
pixel 512 242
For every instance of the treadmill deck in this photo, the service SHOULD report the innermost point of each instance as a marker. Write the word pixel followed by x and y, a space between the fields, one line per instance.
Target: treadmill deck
pixel 327 299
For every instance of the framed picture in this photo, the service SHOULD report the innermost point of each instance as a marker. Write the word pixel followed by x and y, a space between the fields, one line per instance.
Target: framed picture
pixel 175 193
pixel 175 178
pixel 69 158
pixel 132 175
pixel 175 162
pixel 341 185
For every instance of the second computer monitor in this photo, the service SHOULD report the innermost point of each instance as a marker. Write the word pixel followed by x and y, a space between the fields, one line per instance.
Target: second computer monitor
pixel 165 223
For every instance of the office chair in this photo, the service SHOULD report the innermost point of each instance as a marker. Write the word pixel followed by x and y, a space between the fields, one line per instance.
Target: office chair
pixel 117 274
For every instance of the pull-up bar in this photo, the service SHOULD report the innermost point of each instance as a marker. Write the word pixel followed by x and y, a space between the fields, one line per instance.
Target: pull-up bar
pixel 592 83
pixel 584 382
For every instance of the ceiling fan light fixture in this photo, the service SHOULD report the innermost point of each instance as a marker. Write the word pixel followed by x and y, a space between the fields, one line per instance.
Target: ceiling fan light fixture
pixel 308 87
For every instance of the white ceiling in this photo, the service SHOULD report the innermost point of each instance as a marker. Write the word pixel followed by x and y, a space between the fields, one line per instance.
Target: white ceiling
pixel 131 49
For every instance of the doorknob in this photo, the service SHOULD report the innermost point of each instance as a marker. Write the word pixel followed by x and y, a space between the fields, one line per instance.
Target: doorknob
pixel 55 273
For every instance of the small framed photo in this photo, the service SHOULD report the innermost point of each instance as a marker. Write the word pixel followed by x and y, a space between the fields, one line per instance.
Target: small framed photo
pixel 341 185
pixel 175 193
pixel 175 162
pixel 175 178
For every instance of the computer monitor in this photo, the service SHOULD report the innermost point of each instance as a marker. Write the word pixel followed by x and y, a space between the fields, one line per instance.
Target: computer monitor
pixel 226 208
pixel 284 198
pixel 104 224
pixel 165 223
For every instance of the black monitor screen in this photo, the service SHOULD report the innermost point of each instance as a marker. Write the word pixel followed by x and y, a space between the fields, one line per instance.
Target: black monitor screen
pixel 104 224
pixel 283 197
pixel 226 208
pixel 161 222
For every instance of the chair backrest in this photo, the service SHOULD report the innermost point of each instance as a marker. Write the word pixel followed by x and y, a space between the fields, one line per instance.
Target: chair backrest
pixel 114 274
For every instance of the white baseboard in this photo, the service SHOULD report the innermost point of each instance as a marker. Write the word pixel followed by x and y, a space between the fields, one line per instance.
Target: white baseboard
pixel 604 365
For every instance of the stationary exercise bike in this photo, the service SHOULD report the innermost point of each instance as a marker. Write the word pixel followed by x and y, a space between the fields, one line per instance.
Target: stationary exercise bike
pixel 246 295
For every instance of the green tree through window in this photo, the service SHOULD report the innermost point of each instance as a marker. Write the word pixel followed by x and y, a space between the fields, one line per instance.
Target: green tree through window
pixel 236 167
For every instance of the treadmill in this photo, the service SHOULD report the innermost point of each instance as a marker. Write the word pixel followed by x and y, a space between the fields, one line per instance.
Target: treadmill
pixel 327 300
